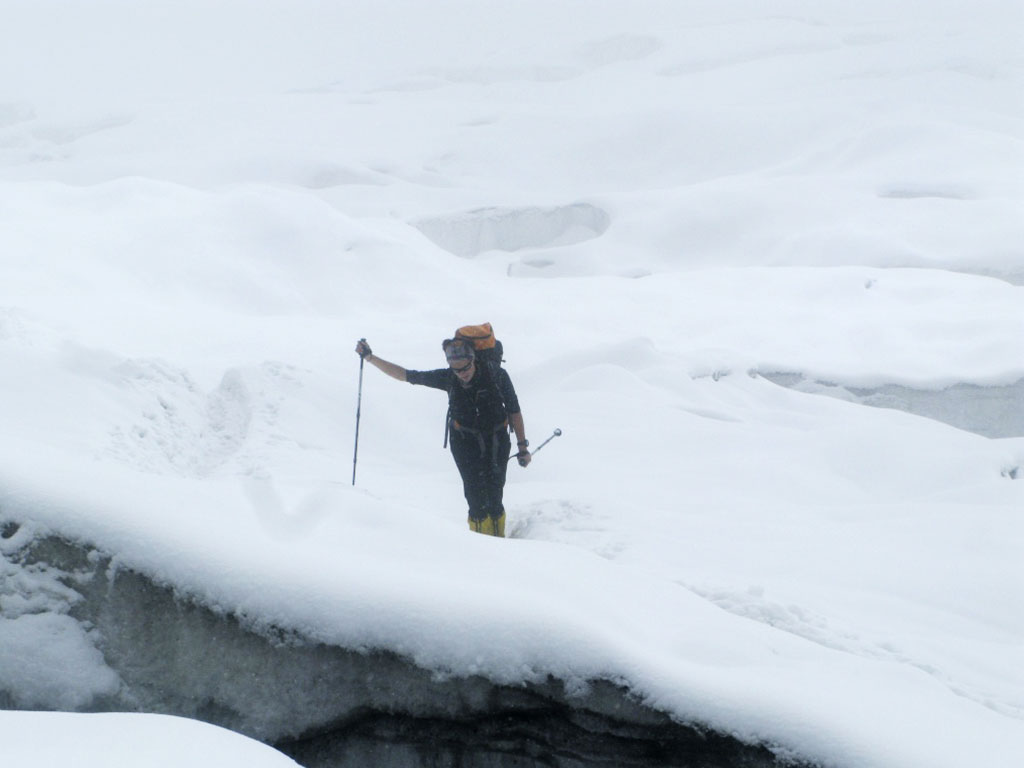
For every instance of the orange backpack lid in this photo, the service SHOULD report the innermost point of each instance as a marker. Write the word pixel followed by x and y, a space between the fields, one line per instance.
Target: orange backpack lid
pixel 482 335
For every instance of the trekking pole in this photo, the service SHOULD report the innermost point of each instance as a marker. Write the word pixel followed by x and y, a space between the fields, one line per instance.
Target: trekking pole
pixel 554 434
pixel 359 408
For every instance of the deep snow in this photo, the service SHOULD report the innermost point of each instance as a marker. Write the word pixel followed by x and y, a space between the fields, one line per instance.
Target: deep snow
pixel 658 205
pixel 103 740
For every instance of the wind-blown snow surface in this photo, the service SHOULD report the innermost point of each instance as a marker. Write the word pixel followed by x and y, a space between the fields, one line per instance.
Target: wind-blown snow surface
pixel 657 205
pixel 110 740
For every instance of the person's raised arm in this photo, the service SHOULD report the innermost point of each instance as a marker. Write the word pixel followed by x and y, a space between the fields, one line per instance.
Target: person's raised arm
pixel 392 370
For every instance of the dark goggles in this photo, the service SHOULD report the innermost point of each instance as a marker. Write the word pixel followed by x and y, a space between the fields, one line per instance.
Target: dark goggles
pixel 456 350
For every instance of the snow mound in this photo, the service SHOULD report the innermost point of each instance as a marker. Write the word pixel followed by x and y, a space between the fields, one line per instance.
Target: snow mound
pixel 52 740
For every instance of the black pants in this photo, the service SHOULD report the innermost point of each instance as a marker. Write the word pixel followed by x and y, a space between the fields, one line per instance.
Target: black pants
pixel 482 459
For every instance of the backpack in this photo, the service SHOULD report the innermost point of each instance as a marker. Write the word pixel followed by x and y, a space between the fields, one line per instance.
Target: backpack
pixel 488 349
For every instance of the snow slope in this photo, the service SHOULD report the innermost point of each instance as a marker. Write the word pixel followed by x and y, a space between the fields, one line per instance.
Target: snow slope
pixel 107 740
pixel 657 205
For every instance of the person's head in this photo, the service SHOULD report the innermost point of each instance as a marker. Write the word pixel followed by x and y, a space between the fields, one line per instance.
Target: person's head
pixel 461 358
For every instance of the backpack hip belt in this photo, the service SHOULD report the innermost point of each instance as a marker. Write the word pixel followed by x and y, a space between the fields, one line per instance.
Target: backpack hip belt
pixel 479 435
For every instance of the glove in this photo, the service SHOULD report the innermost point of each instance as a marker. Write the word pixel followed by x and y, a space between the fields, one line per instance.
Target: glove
pixel 523 457
pixel 363 349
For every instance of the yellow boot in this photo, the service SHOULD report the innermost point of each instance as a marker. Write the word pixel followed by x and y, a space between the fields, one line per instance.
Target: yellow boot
pixel 489 526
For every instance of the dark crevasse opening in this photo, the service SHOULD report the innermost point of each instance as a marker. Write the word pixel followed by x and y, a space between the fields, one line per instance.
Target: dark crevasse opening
pixel 548 736
pixel 327 706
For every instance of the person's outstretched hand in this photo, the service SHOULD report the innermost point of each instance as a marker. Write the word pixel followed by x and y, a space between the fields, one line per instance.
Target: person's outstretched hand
pixel 363 349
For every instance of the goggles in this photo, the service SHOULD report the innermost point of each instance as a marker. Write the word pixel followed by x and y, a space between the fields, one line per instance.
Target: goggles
pixel 456 350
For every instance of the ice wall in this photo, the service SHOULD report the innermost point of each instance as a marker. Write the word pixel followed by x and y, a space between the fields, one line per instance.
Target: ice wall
pixel 92 636
pixel 990 411
pixel 471 233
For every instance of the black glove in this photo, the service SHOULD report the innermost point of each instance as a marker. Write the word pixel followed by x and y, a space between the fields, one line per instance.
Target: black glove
pixel 523 457
pixel 363 349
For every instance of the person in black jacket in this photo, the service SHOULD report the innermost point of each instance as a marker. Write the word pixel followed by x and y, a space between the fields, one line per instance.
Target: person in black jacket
pixel 483 407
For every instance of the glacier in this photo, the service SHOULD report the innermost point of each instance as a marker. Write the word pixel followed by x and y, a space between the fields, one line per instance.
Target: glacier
pixel 686 222
pixel 138 646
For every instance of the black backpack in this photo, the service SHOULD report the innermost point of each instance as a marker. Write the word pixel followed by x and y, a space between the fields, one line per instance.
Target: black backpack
pixel 486 349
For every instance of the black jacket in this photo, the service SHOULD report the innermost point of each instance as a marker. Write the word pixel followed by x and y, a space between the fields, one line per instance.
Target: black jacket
pixel 483 404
